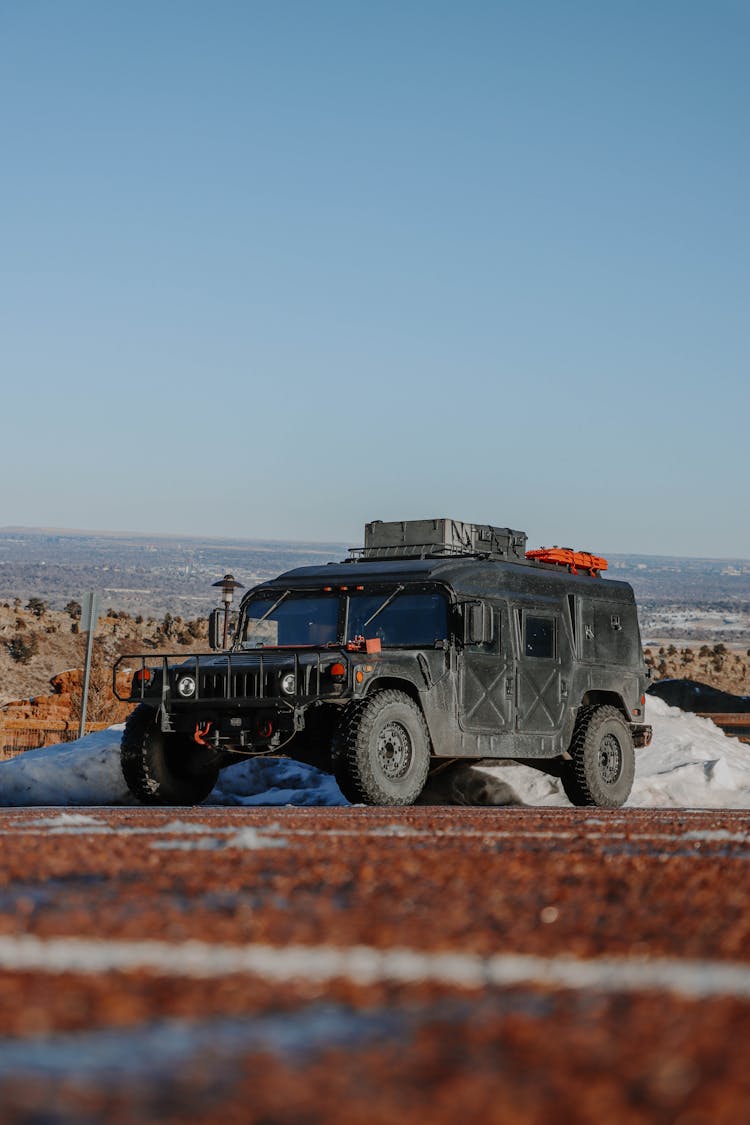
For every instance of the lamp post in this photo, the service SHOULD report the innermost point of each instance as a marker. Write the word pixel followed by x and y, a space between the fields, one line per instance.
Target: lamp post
pixel 228 584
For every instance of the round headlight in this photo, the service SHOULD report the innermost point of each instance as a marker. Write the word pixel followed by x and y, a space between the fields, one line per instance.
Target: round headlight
pixel 186 686
pixel 288 684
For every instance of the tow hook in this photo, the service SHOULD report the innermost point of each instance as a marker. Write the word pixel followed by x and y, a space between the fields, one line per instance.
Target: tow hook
pixel 201 733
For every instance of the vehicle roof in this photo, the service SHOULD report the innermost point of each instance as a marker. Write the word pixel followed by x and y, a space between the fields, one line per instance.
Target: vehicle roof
pixel 466 575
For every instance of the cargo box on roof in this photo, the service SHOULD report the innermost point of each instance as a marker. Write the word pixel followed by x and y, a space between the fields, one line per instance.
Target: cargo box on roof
pixel 443 536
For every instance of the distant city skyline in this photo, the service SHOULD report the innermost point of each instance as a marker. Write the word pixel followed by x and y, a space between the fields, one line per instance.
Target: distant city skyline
pixel 273 271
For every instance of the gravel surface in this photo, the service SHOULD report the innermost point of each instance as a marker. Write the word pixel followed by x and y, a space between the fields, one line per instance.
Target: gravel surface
pixel 371 965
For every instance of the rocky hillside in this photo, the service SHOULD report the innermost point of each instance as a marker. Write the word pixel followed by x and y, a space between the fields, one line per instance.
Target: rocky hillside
pixel 37 644
pixel 719 666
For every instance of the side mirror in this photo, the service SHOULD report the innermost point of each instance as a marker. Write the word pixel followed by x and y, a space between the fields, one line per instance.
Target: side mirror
pixel 216 629
pixel 478 623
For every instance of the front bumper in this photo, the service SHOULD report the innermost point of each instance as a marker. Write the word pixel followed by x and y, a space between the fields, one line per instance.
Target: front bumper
pixel 238 700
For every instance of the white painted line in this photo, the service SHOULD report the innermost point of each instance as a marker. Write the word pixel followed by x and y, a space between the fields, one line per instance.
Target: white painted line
pixel 364 965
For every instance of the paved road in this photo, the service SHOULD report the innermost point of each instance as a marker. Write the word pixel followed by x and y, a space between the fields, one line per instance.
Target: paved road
pixel 346 965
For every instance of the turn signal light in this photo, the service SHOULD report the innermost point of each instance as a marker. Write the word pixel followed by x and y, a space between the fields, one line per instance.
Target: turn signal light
pixel 144 676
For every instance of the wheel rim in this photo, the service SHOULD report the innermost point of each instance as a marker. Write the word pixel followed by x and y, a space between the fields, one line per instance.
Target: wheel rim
pixel 394 750
pixel 610 759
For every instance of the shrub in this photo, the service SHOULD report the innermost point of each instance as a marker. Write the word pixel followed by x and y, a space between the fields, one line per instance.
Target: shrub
pixel 37 606
pixel 22 649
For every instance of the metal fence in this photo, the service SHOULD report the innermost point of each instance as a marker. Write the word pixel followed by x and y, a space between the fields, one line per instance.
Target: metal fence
pixel 18 735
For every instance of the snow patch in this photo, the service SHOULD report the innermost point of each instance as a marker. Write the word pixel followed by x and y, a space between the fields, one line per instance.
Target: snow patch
pixel 247 839
pixel 62 820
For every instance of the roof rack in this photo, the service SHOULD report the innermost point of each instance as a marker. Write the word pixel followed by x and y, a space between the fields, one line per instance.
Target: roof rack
pixel 410 551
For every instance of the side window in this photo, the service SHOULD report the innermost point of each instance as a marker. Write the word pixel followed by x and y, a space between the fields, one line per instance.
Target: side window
pixel 539 637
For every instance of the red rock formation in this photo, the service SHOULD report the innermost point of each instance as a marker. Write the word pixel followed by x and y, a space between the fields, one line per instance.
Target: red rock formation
pixel 63 706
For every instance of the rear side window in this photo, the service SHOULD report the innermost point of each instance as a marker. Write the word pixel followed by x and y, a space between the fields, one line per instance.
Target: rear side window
pixel 539 637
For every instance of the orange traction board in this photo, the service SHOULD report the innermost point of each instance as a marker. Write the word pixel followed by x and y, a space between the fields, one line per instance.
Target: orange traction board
pixel 575 560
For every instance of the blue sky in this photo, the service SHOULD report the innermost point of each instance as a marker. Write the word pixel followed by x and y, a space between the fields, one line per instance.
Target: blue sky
pixel 277 269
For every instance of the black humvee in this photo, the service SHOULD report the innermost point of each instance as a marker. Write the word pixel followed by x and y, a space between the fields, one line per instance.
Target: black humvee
pixel 436 641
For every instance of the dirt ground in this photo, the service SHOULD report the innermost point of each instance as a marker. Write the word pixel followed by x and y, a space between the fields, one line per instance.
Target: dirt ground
pixel 372 965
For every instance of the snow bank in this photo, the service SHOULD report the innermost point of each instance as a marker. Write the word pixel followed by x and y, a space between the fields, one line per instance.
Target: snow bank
pixel 275 781
pixel 691 764
pixel 84 772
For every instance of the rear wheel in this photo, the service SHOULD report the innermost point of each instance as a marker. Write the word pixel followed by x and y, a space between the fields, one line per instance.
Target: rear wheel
pixel 602 765
pixel 381 751
pixel 161 768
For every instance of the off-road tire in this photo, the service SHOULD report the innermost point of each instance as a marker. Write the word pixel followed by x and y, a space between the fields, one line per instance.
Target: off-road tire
pixel 602 768
pixel 381 750
pixel 163 769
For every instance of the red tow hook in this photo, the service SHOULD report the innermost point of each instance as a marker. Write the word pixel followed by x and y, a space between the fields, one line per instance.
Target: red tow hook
pixel 201 733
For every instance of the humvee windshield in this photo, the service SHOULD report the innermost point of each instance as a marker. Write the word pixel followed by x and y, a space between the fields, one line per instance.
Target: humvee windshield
pixel 397 618
pixel 407 619
pixel 286 619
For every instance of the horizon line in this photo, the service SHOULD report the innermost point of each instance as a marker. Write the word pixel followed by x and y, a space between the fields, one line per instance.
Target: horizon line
pixel 10 529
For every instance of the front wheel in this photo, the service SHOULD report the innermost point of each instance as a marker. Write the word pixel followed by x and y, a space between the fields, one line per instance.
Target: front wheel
pixel 381 751
pixel 602 765
pixel 161 768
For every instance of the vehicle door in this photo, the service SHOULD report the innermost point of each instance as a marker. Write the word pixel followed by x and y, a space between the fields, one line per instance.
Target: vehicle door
pixel 541 690
pixel 486 672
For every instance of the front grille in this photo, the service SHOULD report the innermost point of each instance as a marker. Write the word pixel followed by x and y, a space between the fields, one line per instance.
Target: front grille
pixel 257 681
pixel 244 683
pixel 248 684
pixel 213 685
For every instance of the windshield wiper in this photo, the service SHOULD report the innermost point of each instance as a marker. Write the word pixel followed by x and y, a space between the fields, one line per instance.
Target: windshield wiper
pixel 380 608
